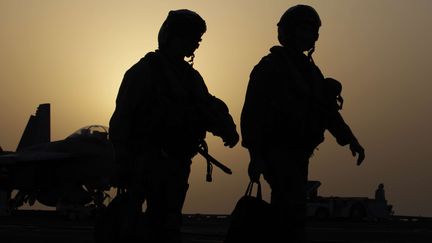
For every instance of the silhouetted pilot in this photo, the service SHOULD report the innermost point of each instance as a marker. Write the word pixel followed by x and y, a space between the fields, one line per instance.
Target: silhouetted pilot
pixel 288 106
pixel 380 193
pixel 163 111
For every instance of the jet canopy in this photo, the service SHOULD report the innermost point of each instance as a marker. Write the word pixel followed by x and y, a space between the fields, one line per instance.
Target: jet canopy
pixel 98 131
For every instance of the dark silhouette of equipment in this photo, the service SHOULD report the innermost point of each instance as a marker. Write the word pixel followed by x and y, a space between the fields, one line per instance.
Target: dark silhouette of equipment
pixel 73 173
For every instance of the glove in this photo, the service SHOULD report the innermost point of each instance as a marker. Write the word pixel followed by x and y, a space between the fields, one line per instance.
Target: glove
pixel 231 139
pixel 356 148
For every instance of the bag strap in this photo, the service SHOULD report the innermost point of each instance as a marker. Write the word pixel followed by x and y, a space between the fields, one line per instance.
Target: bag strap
pixel 250 187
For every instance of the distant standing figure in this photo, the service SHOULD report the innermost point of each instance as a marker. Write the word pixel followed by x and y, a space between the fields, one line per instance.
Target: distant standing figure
pixel 380 193
pixel 289 105
pixel 163 111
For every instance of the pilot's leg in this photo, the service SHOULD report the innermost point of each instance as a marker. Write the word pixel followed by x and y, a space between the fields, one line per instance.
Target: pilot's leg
pixel 133 200
pixel 5 197
pixel 165 197
pixel 177 186
pixel 287 177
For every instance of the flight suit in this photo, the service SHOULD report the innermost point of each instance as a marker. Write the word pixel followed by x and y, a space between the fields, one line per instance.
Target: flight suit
pixel 163 111
pixel 288 107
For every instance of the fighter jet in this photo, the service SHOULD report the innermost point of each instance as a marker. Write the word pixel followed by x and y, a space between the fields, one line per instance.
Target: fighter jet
pixel 77 170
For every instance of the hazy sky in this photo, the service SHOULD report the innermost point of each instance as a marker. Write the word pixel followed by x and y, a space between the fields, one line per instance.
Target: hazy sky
pixel 73 54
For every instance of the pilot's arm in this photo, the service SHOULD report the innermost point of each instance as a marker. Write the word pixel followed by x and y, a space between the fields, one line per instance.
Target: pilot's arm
pixel 343 134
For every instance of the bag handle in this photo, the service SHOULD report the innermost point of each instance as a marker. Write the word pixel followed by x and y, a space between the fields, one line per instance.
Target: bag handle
pixel 249 190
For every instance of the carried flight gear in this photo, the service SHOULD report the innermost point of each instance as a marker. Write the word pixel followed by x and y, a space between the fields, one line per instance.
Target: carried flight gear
pixel 333 90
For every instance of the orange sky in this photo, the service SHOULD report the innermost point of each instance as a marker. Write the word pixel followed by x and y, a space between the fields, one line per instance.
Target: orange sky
pixel 73 55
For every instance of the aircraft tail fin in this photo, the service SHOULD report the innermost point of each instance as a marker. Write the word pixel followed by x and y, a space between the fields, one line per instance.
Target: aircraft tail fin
pixel 38 129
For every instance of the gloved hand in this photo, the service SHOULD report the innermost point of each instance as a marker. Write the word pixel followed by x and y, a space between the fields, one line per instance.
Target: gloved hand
pixel 231 139
pixel 356 148
pixel 257 166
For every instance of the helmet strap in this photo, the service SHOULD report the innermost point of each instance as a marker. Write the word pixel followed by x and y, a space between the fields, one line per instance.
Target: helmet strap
pixel 191 60
pixel 309 54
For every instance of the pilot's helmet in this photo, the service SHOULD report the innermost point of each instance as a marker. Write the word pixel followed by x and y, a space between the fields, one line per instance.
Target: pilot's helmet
pixel 298 16
pixel 181 23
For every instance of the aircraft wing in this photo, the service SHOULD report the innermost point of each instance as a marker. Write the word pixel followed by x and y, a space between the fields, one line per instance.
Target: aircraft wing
pixel 36 156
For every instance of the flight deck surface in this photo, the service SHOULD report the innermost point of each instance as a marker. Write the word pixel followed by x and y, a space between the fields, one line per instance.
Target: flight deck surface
pixel 50 226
